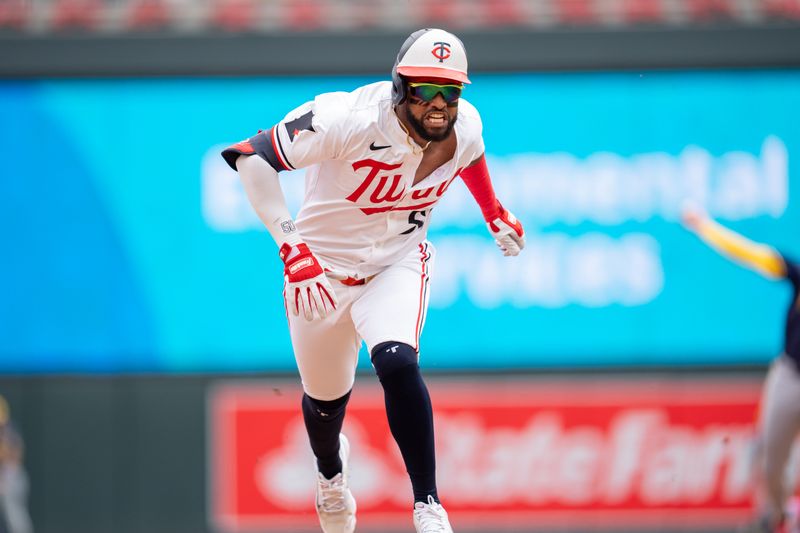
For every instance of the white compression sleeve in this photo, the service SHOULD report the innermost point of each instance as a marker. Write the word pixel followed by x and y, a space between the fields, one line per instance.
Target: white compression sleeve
pixel 263 188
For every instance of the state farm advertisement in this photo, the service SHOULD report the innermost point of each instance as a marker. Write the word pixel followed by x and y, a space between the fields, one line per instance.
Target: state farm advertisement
pixel 599 453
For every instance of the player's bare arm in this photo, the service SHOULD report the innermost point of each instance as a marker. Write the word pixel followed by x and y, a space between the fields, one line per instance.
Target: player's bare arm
pixel 760 257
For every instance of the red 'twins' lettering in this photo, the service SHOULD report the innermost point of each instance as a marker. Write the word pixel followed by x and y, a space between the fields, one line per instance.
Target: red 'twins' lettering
pixel 378 195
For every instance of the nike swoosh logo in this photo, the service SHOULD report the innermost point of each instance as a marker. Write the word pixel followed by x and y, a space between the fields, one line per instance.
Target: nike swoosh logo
pixel 373 147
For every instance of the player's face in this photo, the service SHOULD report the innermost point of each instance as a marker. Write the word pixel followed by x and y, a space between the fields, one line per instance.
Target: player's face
pixel 433 120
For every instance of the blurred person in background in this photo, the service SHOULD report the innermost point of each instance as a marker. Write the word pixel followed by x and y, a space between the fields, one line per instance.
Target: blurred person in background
pixel 14 517
pixel 779 418
pixel 357 261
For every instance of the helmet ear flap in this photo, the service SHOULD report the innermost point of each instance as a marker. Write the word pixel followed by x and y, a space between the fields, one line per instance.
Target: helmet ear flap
pixel 399 87
pixel 398 83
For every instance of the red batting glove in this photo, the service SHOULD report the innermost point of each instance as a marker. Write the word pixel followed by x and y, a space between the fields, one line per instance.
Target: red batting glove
pixel 306 285
pixel 507 231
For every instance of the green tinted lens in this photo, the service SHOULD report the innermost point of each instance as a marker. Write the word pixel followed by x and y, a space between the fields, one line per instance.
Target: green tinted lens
pixel 428 91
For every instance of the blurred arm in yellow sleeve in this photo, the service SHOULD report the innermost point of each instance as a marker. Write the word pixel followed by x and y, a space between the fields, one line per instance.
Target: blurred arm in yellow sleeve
pixel 756 256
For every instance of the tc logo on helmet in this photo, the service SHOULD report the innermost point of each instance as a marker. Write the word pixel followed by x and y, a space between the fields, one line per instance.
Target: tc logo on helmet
pixel 441 51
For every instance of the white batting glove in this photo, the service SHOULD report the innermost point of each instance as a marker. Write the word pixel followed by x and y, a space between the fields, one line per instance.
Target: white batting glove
pixel 307 287
pixel 507 232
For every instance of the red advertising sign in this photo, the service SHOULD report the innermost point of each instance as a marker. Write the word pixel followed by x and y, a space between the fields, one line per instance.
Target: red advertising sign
pixel 569 453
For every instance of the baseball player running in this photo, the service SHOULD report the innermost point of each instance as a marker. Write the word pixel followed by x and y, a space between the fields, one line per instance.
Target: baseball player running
pixel 357 262
pixel 780 401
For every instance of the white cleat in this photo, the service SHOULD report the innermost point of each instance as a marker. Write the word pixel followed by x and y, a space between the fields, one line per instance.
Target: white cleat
pixel 335 504
pixel 431 517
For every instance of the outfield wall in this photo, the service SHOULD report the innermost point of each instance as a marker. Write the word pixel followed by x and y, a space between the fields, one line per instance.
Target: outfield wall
pixel 524 453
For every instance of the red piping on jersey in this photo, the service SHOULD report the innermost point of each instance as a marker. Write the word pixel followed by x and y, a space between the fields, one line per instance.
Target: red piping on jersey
pixel 423 291
pixel 276 148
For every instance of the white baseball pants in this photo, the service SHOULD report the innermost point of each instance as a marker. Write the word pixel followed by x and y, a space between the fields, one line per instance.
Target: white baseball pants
pixel 390 306
pixel 779 428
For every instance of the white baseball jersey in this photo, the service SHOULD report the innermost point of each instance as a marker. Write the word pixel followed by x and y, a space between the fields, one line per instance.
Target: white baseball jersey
pixel 363 215
pixel 361 211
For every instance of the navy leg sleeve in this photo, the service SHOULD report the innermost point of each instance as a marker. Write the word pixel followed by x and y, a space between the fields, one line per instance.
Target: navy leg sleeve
pixel 324 421
pixel 410 415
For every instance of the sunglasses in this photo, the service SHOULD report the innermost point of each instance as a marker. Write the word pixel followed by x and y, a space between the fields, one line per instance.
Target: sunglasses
pixel 428 91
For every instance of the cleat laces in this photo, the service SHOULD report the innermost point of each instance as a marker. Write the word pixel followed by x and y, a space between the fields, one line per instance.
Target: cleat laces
pixel 431 517
pixel 332 494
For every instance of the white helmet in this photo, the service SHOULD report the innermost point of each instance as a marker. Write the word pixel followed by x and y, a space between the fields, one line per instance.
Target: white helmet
pixel 430 53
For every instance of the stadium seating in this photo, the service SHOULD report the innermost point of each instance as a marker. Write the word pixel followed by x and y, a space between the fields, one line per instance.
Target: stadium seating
pixel 321 15
pixel 148 14
pixel 75 14
pixel 14 14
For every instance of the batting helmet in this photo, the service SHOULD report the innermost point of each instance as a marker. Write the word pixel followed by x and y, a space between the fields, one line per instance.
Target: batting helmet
pixel 429 52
